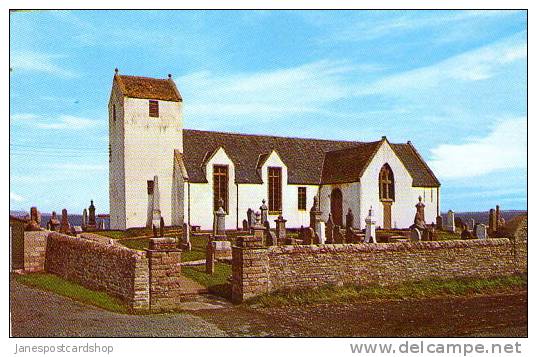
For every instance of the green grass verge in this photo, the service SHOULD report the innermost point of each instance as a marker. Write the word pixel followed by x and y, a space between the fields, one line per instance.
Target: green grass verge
pixel 216 283
pixel 407 291
pixel 199 244
pixel 74 291
pixel 443 235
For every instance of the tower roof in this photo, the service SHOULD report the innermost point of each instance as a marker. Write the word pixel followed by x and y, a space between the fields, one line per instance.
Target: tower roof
pixel 148 88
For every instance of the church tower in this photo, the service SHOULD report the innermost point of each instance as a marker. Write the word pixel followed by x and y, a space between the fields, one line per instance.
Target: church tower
pixel 145 131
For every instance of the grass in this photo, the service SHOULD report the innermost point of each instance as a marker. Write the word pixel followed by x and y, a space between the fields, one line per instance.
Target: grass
pixel 409 291
pixel 444 235
pixel 74 291
pixel 217 283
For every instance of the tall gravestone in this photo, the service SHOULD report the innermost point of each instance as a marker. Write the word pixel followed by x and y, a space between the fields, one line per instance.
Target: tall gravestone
pixel 92 221
pixel 185 239
pixel 349 232
pixel 281 233
pixel 315 217
pixel 439 223
pixel 498 217
pixel 156 204
pixel 330 230
pixel 264 212
pixel 349 219
pixel 370 228
pixel 322 237
pixel 35 220
pixel 64 224
pixel 84 218
pixel 250 217
pixel 492 222
pixel 450 224
pixel 481 231
pixel 219 231
pixel 53 223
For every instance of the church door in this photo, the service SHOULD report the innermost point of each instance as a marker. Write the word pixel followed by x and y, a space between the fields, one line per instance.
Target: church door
pixel 336 206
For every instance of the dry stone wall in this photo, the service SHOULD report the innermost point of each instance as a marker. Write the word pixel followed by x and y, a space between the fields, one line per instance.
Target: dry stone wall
pixel 119 271
pixel 34 250
pixel 259 270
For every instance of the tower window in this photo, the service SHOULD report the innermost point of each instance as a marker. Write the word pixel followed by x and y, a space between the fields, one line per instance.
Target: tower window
pixel 153 108
pixel 220 186
pixel 302 198
pixel 275 189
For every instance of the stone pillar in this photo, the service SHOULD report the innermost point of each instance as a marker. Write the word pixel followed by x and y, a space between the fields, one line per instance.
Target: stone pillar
pixel 281 232
pixel 64 225
pixel 315 217
pixel 84 218
pixel 493 225
pixel 370 232
pixel 450 224
pixel 164 274
pixel 91 219
pixel 249 269
pixel 264 212
pixel 498 217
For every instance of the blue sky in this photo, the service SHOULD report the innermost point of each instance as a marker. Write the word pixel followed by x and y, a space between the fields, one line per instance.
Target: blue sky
pixel 452 82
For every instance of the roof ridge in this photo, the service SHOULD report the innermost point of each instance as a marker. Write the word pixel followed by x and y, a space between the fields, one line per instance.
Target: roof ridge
pixel 142 77
pixel 278 137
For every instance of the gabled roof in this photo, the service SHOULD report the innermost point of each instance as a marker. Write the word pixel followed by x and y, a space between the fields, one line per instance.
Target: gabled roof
pixel 148 88
pixel 347 165
pixel 309 161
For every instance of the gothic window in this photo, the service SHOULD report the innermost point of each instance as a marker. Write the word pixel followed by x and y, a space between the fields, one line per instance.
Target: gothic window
pixel 302 198
pixel 220 186
pixel 386 183
pixel 275 189
pixel 153 108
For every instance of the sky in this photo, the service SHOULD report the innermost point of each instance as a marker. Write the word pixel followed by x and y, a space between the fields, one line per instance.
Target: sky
pixel 452 82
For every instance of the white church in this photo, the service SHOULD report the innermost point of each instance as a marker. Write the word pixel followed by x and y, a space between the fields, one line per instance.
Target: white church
pixel 196 169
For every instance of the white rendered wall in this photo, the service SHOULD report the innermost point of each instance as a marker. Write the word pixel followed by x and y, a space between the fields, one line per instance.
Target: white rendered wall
pixel 351 199
pixel 430 202
pixel 149 151
pixel 116 167
pixel 406 197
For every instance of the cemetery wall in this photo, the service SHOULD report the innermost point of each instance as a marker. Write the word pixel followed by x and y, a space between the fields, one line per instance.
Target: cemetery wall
pixel 259 270
pixel 34 251
pixel 120 271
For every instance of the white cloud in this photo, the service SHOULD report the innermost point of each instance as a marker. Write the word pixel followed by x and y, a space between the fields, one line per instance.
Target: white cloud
pixel 24 117
pixel 504 148
pixel 69 122
pixel 15 197
pixel 476 65
pixel 39 62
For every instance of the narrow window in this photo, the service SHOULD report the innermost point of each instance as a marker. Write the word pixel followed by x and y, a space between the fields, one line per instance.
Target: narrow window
pixel 153 108
pixel 220 186
pixel 386 183
pixel 150 187
pixel 301 198
pixel 275 189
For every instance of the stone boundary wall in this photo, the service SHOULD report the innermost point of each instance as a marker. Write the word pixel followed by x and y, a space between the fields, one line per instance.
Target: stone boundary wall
pixel 35 243
pixel 259 270
pixel 120 271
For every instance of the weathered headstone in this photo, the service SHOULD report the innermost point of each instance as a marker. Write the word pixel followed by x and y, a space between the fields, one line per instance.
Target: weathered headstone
pixel 471 224
pixel 465 234
pixel 329 230
pixel 64 225
pixel 91 224
pixel 161 226
pixel 33 225
pixel 251 218
pixel 439 223
pixel 84 218
pixel 498 216
pixel 315 216
pixel 481 231
pixel 53 223
pixel 349 232
pixel 264 211
pixel 219 225
pixel 245 226
pixel 493 224
pixel 415 235
pixel 419 218
pixel 308 236
pixel 370 228
pixel 337 236
pixel 186 245
pixel 349 219
pixel 259 229
pixel 270 238
pixel 450 224
pixel 281 233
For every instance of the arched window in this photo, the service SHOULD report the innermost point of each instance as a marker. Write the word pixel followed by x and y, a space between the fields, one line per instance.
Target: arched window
pixel 386 183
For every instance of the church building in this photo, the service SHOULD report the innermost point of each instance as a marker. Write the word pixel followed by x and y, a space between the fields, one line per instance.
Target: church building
pixel 197 169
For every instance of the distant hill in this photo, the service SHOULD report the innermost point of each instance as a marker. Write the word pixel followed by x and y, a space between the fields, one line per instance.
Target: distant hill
pixel 74 219
pixel 483 217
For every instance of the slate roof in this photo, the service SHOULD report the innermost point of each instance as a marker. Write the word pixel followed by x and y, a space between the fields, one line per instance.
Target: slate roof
pixel 309 161
pixel 148 88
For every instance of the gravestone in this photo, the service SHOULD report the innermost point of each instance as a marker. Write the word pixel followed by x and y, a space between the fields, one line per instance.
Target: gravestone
pixel 245 225
pixel 315 216
pixel 493 224
pixel 498 216
pixel 53 223
pixel 64 225
pixel 185 240
pixel 161 225
pixel 471 224
pixel 329 230
pixel 281 233
pixel 84 218
pixel 415 235
pixel 450 224
pixel 466 234
pixel 259 229
pixel 322 237
pixel 338 237
pixel 419 217
pixel 219 225
pixel 264 211
pixel 308 235
pixel 439 223
pixel 251 218
pixel 270 238
pixel 370 228
pixel 33 225
pixel 481 231
pixel 349 219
